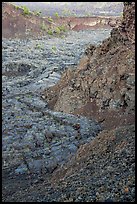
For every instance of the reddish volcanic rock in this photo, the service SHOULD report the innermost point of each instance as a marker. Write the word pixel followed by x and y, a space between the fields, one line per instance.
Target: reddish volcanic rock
pixel 16 24
pixel 104 80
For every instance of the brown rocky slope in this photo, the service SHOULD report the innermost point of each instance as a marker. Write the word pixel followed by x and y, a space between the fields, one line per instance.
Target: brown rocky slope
pixel 20 23
pixel 103 84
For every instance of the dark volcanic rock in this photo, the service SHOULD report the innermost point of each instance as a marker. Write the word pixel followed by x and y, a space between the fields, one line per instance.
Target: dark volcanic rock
pixel 36 139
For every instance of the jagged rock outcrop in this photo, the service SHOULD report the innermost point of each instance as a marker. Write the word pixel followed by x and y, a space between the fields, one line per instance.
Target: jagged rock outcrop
pixel 103 84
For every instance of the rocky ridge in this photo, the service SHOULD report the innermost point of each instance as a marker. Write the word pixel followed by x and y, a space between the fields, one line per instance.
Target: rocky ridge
pixel 18 24
pixel 104 81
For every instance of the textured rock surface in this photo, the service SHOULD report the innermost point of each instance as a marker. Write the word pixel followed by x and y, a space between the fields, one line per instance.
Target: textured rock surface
pixel 102 170
pixel 36 139
pixel 105 77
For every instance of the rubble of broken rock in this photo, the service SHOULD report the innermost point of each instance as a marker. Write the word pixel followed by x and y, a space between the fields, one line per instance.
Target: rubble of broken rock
pixel 36 139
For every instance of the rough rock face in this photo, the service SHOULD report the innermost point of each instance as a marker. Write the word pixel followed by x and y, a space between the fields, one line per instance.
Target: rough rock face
pixel 102 171
pixel 104 81
pixel 128 23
